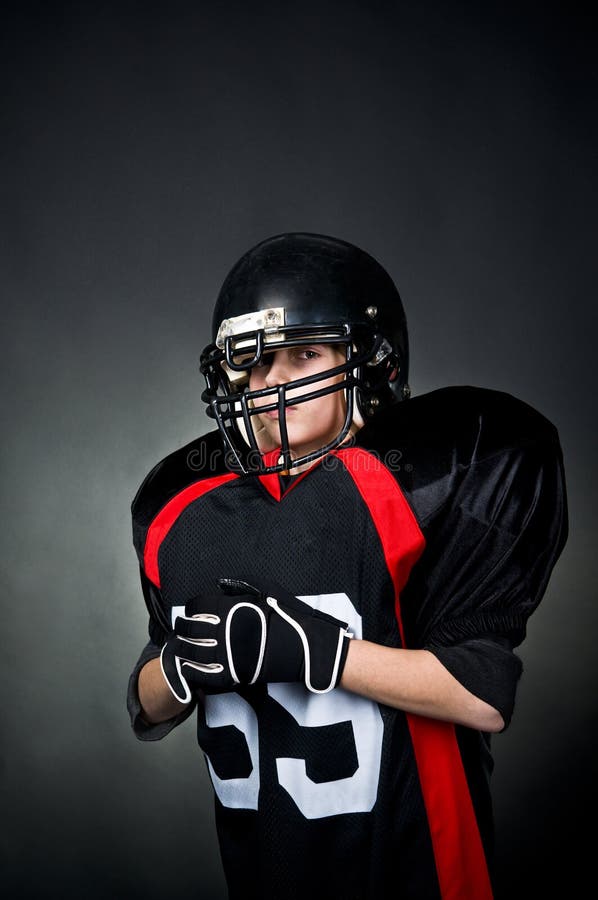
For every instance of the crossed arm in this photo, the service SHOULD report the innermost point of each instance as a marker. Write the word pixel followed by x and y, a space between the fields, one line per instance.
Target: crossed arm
pixel 412 680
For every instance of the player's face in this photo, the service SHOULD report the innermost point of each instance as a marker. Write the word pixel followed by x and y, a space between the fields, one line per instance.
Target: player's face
pixel 312 424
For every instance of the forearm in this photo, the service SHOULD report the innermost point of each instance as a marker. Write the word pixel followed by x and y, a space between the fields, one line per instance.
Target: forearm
pixel 157 701
pixel 416 682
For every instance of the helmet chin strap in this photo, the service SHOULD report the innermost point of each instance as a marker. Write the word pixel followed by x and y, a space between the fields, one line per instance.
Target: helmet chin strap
pixel 358 420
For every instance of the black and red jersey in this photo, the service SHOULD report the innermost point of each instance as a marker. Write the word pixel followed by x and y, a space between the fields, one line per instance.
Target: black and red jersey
pixel 437 528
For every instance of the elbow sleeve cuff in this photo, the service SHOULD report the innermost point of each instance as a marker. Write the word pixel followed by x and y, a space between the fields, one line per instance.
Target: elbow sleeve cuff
pixel 487 668
pixel 143 730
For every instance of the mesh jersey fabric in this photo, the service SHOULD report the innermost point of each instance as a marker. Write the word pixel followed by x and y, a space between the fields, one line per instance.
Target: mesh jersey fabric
pixel 438 530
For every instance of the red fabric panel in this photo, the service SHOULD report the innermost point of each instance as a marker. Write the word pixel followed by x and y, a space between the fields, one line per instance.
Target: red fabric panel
pixel 169 513
pixel 270 481
pixel 401 537
pixel 460 860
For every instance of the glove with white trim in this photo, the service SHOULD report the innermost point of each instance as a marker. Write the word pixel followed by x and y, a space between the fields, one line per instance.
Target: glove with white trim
pixel 251 635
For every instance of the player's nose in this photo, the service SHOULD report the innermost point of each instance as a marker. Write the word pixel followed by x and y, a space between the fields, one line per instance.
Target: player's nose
pixel 278 372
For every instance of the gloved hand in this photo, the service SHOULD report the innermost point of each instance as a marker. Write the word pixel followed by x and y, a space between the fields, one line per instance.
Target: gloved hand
pixel 249 635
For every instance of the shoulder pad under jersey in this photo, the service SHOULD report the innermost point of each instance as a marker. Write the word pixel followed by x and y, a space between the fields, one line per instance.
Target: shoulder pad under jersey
pixel 429 440
pixel 200 458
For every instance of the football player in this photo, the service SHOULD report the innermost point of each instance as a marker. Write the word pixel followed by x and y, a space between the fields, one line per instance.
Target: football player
pixel 337 578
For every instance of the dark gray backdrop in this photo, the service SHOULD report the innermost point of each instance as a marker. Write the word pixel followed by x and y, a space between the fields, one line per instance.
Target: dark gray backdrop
pixel 144 148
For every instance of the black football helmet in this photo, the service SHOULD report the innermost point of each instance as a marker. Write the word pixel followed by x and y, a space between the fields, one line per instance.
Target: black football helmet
pixel 291 290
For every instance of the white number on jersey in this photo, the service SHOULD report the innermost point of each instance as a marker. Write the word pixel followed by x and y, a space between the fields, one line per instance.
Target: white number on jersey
pixel 315 800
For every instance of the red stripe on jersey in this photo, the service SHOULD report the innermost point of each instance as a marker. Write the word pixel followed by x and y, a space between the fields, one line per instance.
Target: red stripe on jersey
pixel 401 537
pixel 164 520
pixel 271 481
pixel 460 860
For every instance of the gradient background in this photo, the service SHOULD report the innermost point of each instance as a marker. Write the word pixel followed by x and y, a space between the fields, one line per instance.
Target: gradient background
pixel 144 148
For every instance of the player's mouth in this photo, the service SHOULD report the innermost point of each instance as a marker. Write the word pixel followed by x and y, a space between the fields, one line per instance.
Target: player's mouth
pixel 273 413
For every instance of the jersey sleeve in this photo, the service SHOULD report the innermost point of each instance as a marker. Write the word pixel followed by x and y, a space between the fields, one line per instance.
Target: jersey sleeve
pixel 158 632
pixel 201 457
pixel 488 559
pixel 142 729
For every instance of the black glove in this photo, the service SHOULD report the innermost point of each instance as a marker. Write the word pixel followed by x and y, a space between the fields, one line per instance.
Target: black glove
pixel 250 635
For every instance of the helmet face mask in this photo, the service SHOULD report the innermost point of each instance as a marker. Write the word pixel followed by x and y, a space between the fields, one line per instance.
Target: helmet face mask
pixel 291 291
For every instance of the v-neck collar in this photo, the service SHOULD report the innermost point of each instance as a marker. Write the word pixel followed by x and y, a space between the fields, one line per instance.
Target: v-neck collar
pixel 272 481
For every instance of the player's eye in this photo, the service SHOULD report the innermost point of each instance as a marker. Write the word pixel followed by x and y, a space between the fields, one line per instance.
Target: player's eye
pixel 307 353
